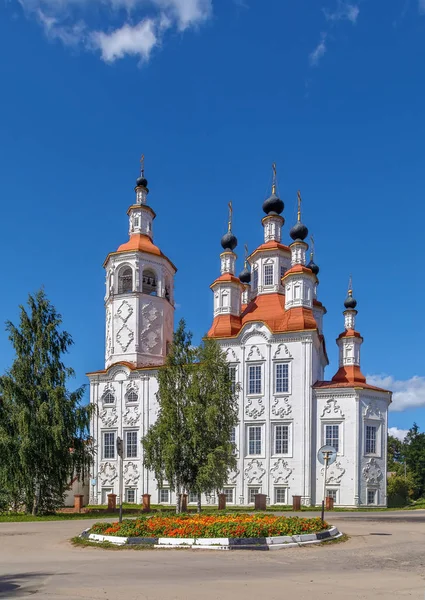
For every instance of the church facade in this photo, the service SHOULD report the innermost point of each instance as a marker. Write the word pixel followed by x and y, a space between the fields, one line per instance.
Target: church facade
pixel 269 322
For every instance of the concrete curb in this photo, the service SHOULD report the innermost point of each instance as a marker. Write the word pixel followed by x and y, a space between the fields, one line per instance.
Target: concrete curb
pixel 269 543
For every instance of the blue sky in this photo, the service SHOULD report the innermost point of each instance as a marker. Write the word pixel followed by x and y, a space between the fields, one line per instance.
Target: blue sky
pixel 214 91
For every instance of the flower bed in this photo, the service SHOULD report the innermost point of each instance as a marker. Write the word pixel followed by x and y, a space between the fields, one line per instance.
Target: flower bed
pixel 211 526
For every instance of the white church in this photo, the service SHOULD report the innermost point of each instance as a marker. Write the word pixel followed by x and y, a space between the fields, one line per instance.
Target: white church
pixel 269 322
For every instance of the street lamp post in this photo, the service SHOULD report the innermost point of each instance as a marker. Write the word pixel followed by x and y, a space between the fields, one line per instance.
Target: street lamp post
pixel 326 455
pixel 120 452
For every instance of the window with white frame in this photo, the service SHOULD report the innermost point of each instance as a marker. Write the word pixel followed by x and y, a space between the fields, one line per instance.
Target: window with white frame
pixel 109 444
pixel 332 494
pixel 108 397
pixel 131 444
pixel 254 440
pixel 254 379
pixel 255 277
pixel 332 436
pixel 280 494
pixel 229 493
pixel 233 440
pixel 371 439
pixel 130 495
pixel 371 496
pixel 105 493
pixel 232 375
pixel 164 496
pixel 281 371
pixel 281 439
pixel 282 272
pixel 252 491
pixel 268 274
pixel 193 497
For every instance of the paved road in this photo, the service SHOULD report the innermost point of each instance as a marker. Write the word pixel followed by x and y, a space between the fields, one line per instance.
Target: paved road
pixel 384 558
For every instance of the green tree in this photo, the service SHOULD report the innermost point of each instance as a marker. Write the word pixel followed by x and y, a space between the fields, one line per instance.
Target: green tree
pixel 396 454
pixel 189 444
pixel 43 427
pixel 415 459
pixel 166 449
pixel 213 414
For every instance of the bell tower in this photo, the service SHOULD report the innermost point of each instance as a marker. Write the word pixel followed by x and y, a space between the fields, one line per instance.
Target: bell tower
pixel 139 298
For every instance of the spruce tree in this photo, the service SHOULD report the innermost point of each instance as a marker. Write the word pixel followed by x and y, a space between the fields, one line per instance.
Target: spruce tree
pixel 43 427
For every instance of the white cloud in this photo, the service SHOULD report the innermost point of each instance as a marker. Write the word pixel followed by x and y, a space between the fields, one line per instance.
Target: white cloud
pixel 142 29
pixel 318 52
pixel 400 434
pixel 138 40
pixel 422 7
pixel 345 12
pixel 407 393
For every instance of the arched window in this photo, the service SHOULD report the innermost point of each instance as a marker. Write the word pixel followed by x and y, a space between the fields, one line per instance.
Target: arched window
pixel 149 283
pixel 132 396
pixel 108 398
pixel 125 281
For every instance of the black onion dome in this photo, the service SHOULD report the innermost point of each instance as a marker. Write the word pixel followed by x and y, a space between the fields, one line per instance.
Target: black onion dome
pixel 313 267
pixel 245 275
pixel 229 241
pixel 273 205
pixel 299 232
pixel 350 302
pixel 141 182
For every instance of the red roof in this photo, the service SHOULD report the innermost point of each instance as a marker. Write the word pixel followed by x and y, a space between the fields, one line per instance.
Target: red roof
pixel 142 243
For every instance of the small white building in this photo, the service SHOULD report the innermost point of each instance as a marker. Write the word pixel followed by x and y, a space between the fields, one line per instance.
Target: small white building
pixel 269 323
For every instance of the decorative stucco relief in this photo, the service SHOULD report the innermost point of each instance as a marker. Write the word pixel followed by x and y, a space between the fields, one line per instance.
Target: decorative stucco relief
pixel 281 471
pixel 124 337
pixel 231 355
pixel 108 416
pixel 372 472
pixel 254 408
pixel 233 476
pixel 125 310
pixel 254 354
pixel 372 410
pixel 254 471
pixel 334 474
pixel 150 335
pixel 131 473
pixel 281 407
pixel 131 416
pixel 332 409
pixel 107 473
pixel 282 352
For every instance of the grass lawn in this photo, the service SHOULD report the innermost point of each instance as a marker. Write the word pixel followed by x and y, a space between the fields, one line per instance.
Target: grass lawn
pixel 130 510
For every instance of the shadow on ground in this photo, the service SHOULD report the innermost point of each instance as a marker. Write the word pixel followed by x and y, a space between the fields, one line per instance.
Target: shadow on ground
pixel 19 585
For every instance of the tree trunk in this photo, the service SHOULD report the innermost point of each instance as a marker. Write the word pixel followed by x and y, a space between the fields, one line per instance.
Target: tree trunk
pixel 199 506
pixel 178 499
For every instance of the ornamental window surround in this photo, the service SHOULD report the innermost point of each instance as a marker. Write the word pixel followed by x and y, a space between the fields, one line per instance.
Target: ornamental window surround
pixel 255 445
pixel 108 397
pixel 254 380
pixel 332 436
pixel 371 439
pixel 131 395
pixel 108 444
pixel 282 439
pixel 268 275
pixel 131 444
pixel 229 492
pixel 280 495
pixel 281 378
pixel 372 496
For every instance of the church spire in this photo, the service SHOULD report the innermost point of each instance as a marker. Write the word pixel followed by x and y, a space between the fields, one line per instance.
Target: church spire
pixel 141 215
pixel 273 207
pixel 141 188
pixel 349 343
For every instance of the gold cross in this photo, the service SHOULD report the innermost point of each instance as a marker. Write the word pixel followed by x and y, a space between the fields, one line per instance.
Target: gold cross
pixel 299 205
